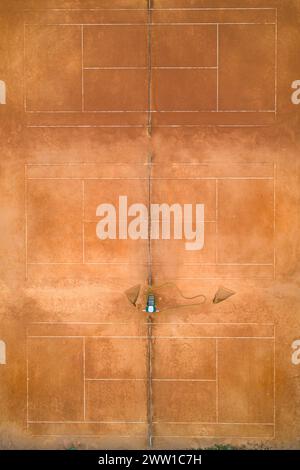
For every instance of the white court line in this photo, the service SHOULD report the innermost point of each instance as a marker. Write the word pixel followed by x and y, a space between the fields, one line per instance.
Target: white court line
pixel 115 68
pixel 183 380
pixel 26 220
pixel 24 68
pixel 87 422
pixel 213 337
pixel 218 53
pixel 158 111
pixel 155 178
pixel 27 381
pixel 205 125
pixel 102 163
pixel 83 368
pixel 105 436
pixel 58 336
pixel 121 263
pixel 151 24
pixel 216 111
pixel 82 72
pixel 149 74
pixel 152 337
pixel 154 67
pixel 90 111
pixel 274 218
pixel 212 9
pixel 221 278
pixel 117 263
pixel 146 9
pixel 30 10
pixel 88 126
pixel 143 126
pixel 198 125
pixel 217 177
pixel 212 323
pixel 154 324
pixel 93 221
pixel 177 278
pixel 93 436
pixel 214 67
pixel 82 223
pixel 204 163
pixel 218 264
pixel 213 423
pixel 274 380
pixel 54 263
pixel 85 336
pixel 115 380
pixel 216 8
pixel 276 59
pixel 203 436
pixel 145 380
pixel 87 178
pixel 76 323
pixel 217 381
pixel 217 221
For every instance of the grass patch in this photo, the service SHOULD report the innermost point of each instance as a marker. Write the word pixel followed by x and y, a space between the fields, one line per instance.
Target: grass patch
pixel 230 447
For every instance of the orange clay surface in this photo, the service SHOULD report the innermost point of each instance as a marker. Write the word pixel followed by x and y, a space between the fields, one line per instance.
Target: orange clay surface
pixel 93 90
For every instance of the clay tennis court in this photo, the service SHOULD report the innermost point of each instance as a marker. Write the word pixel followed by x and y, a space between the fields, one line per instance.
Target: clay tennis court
pixel 176 102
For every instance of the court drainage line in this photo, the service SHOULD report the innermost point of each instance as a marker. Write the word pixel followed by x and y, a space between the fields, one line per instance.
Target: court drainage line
pixel 149 124
pixel 149 318
pixel 149 382
pixel 149 219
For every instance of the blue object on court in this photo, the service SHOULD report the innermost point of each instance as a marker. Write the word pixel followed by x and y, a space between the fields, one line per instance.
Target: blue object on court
pixel 151 307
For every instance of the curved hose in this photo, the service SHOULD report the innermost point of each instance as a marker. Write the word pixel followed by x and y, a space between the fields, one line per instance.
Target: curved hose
pixel 152 288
